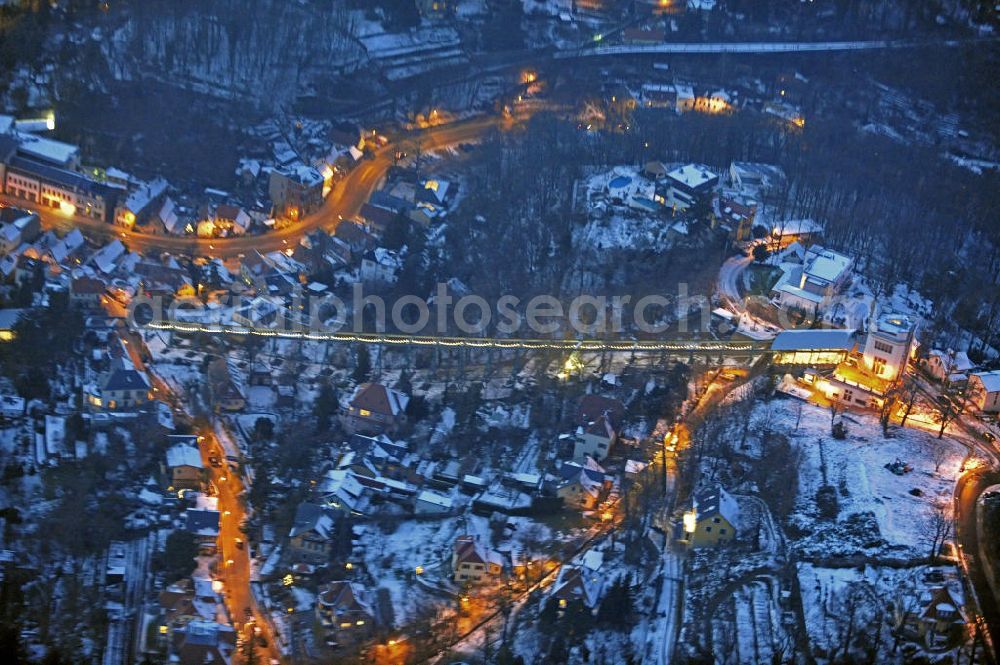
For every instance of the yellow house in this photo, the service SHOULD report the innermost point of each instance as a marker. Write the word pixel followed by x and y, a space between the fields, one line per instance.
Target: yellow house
pixel 713 519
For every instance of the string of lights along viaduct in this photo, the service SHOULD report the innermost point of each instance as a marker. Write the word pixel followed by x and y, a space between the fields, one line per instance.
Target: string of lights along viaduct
pixel 749 349
pixel 704 347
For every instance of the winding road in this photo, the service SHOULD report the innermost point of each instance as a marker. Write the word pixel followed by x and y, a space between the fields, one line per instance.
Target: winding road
pixel 343 202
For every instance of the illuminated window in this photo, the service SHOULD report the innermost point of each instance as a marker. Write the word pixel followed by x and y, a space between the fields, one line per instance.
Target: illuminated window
pixel 365 413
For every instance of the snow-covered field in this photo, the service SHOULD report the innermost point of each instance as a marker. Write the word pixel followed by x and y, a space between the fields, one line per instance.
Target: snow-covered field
pixel 881 513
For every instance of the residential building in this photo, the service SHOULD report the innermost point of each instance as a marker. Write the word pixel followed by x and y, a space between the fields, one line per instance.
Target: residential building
pixel 984 391
pixel 203 522
pixel 430 503
pixel 938 622
pixel 17 226
pixel 202 642
pixel 472 562
pixel 737 213
pixel 8 323
pixel 755 178
pixel 949 366
pixel 122 386
pixel 345 612
pixel 87 291
pixel 141 203
pixel 581 485
pixel 713 518
pixel 54 187
pixel 296 191
pixel 226 386
pixel 578 584
pixel 184 468
pixel 688 186
pixel 822 275
pixel 311 535
pixel 380 266
pixel 375 409
pixel 594 439
pixel 598 419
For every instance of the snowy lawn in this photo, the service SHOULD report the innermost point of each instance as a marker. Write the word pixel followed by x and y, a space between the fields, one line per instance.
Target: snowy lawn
pixel 880 513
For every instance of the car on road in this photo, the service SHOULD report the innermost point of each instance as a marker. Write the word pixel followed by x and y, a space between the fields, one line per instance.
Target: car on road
pixel 239 543
pixel 990 436
pixel 214 461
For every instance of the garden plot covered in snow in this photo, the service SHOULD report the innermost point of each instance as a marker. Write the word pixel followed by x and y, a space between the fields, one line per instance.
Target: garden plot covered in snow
pixel 876 512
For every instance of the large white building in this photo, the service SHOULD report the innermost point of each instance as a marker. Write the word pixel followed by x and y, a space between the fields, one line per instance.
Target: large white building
pixel 809 287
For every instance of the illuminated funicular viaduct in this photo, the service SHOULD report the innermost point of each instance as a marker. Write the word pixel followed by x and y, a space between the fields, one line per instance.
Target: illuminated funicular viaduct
pixel 739 348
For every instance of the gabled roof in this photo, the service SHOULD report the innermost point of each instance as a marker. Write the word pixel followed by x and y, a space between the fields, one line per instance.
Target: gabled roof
pixel 592 407
pixel 990 380
pixel 572 470
pixel 469 550
pixel 714 501
pixel 344 597
pixel 202 522
pixel 184 455
pixel 575 583
pixel 940 603
pixel 310 517
pixel 377 398
pixel 435 499
pixel 123 376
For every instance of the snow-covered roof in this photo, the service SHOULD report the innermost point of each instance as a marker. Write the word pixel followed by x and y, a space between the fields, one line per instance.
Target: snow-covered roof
pixel 49 150
pixel 435 499
pixel 144 195
pixel 990 380
pixel 183 455
pixel 813 340
pixel 825 264
pixel 692 175
pixel 714 500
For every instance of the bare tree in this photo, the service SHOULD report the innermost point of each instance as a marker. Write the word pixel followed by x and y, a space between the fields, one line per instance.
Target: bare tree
pixel 939 526
pixel 939 454
pixel 908 395
pixel 949 410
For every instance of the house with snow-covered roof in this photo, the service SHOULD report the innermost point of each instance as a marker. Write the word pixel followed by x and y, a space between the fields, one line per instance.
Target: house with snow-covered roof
pixel 184 468
pixel 578 584
pixel 810 286
pixel 311 535
pixel 345 612
pixel 938 620
pixel 375 409
pixel 713 518
pixel 984 391
pixel 120 387
pixel 296 191
pixel 141 203
pixel 471 561
pixel 581 485
pixel 432 503
pixel 949 366
pixel 688 186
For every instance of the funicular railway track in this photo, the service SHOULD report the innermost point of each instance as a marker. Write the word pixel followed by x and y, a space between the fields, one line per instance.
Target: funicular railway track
pixel 702 347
